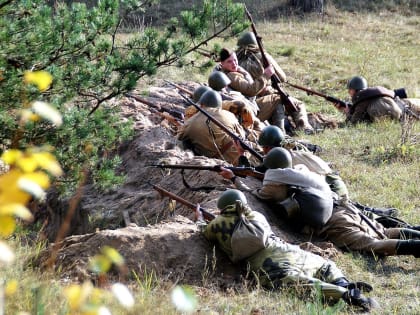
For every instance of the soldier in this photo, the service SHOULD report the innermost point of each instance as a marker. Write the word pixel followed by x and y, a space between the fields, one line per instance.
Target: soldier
pixel 373 103
pixel 235 102
pixel 249 58
pixel 270 107
pixel 276 262
pixel 286 188
pixel 204 137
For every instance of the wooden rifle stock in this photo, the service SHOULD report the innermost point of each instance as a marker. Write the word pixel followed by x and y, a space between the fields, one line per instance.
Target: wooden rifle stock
pixel 329 98
pixel 275 80
pixel 208 216
pixel 225 129
pixel 238 171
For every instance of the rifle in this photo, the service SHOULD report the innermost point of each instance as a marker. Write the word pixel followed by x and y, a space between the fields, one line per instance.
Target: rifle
pixel 238 171
pixel 208 216
pixel 225 129
pixel 225 96
pixel 275 80
pixel 329 98
pixel 176 114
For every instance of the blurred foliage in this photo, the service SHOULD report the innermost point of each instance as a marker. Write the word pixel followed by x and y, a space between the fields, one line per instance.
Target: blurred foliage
pixel 78 46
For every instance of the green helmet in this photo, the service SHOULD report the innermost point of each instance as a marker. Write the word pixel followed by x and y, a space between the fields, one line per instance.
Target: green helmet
pixel 218 80
pixel 246 39
pixel 211 99
pixel 278 158
pixel 229 197
pixel 357 83
pixel 200 91
pixel 271 136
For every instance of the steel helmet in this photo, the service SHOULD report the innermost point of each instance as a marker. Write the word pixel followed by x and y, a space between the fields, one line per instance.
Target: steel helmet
pixel 218 80
pixel 200 91
pixel 211 99
pixel 229 197
pixel 247 38
pixel 357 83
pixel 271 136
pixel 278 158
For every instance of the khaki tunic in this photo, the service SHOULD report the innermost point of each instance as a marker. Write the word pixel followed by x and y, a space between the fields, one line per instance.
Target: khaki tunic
pixel 280 263
pixel 249 58
pixel 345 228
pixel 373 109
pixel 208 139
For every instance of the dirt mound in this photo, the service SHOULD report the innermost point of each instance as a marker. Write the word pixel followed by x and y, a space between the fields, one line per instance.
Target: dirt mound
pixel 150 233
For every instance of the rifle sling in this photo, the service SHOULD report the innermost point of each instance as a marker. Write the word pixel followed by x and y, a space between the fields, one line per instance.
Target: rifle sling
pixel 207 189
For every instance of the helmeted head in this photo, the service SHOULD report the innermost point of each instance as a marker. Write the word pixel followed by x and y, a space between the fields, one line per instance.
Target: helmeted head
pixel 357 83
pixel 218 80
pixel 271 136
pixel 247 38
pixel 200 91
pixel 278 158
pixel 229 197
pixel 211 99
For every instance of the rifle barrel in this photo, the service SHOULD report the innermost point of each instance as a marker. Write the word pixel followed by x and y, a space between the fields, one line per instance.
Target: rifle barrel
pixel 275 80
pixel 173 112
pixel 180 88
pixel 208 216
pixel 225 129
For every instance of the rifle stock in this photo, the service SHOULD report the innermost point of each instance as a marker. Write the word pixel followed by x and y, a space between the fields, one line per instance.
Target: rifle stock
pixel 225 129
pixel 178 115
pixel 329 98
pixel 275 80
pixel 208 216
pixel 238 171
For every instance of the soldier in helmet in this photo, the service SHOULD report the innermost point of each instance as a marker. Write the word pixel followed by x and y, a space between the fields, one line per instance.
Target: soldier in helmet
pixel 276 262
pixel 245 110
pixel 249 58
pixel 373 103
pixel 304 198
pixel 206 138
pixel 270 107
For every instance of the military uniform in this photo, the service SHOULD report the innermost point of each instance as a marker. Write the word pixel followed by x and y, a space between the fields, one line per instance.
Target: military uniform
pixel 270 107
pixel 346 228
pixel 280 263
pixel 208 139
pixel 373 103
pixel 249 58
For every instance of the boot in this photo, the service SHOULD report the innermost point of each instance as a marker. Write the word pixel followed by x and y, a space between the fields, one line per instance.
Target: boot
pixel 409 247
pixel 355 297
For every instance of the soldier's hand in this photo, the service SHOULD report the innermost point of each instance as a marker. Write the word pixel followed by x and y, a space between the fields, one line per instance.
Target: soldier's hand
pixel 198 213
pixel 269 71
pixel 238 147
pixel 226 173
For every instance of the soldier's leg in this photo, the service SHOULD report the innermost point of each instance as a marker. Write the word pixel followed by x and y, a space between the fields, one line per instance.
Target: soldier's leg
pixel 271 110
pixel 301 116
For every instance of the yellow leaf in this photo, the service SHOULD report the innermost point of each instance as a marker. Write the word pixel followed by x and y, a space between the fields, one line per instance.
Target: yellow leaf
pixel 100 264
pixel 42 79
pixel 73 294
pixel 48 162
pixel 40 178
pixel 10 156
pixel 27 115
pixel 113 255
pixel 15 209
pixel 9 190
pixel 27 163
pixel 47 112
pixel 6 254
pixel 10 288
pixel 7 225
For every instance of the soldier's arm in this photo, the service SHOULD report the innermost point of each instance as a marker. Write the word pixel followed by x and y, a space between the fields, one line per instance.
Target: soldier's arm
pixel 249 89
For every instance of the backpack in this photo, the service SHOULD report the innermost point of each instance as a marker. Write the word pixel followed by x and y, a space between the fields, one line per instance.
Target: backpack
pixel 250 235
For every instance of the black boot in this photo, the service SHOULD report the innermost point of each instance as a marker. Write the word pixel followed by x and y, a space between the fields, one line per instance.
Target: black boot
pixel 409 247
pixel 355 297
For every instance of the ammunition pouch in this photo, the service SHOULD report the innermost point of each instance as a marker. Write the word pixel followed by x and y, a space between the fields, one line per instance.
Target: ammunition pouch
pixel 289 208
pixel 401 93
